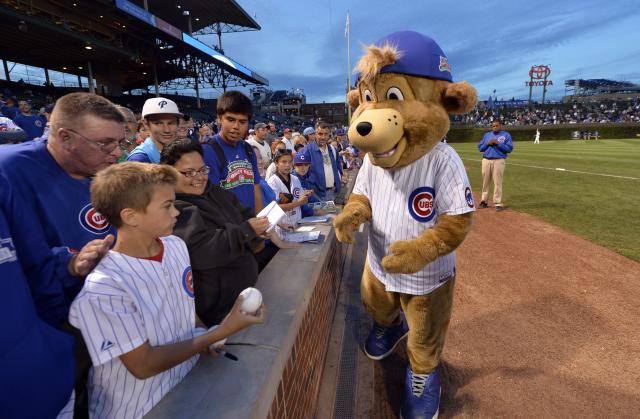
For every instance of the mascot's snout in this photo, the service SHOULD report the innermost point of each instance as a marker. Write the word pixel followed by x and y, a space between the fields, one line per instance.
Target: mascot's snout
pixel 379 132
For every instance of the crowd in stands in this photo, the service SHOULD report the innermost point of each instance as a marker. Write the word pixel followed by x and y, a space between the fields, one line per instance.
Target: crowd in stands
pixel 101 326
pixel 574 113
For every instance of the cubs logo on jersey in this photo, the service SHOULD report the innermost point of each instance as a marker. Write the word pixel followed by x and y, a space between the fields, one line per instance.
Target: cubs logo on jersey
pixel 468 196
pixel 92 221
pixel 187 281
pixel 422 204
pixel 296 193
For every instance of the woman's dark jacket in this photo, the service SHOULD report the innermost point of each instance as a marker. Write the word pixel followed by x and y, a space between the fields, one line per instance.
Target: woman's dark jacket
pixel 219 238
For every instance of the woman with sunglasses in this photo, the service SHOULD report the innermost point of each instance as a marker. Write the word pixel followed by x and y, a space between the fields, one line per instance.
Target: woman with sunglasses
pixel 221 234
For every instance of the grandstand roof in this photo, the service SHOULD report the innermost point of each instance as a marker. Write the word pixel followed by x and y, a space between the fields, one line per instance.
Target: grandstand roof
pixel 594 83
pixel 65 36
pixel 203 13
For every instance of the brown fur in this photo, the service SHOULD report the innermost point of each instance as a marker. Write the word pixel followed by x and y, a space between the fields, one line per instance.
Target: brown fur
pixel 409 256
pixel 353 98
pixel 374 59
pixel 356 212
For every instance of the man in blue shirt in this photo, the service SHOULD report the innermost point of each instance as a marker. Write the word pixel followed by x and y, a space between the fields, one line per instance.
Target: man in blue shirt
pixel 35 359
pixel 45 197
pixel 232 161
pixel 161 117
pixel 325 171
pixel 494 146
pixel 32 124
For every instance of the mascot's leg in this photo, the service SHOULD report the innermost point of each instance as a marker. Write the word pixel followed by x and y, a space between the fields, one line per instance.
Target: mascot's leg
pixel 388 328
pixel 428 318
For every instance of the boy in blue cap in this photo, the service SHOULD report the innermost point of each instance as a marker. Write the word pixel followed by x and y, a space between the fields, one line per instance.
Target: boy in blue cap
pixel 301 165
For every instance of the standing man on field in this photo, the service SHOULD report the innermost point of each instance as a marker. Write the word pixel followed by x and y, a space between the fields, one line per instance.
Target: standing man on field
pixel 494 146
pixel 536 140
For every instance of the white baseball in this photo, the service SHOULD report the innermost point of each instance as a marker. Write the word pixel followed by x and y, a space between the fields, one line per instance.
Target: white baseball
pixel 252 300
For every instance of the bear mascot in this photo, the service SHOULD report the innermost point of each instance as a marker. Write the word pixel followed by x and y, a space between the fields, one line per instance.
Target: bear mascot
pixel 414 192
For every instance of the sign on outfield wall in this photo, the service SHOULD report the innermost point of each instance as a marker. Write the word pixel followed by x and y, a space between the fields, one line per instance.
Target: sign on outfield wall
pixel 539 75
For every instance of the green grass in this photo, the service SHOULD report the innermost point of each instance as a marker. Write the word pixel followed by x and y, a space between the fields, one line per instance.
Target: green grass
pixel 602 209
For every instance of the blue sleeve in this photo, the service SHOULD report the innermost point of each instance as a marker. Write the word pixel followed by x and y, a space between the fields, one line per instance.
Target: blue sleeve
pixel 307 211
pixel 267 193
pixel 507 146
pixel 482 147
pixel 45 268
pixel 36 360
pixel 139 157
pixel 211 160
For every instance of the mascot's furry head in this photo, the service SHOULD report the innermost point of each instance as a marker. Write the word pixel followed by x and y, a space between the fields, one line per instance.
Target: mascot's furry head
pixel 404 95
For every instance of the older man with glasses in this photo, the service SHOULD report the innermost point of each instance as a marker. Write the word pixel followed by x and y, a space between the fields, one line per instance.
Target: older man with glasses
pixel 57 234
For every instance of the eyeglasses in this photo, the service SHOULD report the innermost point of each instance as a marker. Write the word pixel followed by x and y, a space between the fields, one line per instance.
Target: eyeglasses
pixel 204 171
pixel 107 147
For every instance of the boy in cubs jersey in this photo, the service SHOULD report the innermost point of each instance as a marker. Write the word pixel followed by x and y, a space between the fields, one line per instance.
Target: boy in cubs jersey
pixel 136 310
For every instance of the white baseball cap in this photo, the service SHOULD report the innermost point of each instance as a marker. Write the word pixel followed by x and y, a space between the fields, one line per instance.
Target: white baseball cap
pixel 160 105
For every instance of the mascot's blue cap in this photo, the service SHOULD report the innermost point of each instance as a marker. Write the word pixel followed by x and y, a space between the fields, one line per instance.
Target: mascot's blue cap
pixel 419 56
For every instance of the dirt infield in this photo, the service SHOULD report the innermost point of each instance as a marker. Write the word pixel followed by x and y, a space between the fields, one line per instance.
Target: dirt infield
pixel 545 324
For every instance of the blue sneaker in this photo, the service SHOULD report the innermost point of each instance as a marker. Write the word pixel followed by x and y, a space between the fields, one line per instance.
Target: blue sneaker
pixel 422 395
pixel 383 340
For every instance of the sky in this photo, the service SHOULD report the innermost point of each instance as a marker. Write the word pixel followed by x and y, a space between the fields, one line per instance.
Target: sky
pixel 492 44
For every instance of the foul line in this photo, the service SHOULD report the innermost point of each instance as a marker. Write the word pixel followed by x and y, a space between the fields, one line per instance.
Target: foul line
pixel 560 169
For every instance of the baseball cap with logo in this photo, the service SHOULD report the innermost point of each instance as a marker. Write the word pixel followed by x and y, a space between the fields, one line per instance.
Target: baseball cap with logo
pixel 420 56
pixel 159 106
pixel 302 157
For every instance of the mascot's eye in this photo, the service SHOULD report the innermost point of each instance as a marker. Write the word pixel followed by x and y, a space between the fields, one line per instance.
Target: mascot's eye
pixel 368 96
pixel 394 94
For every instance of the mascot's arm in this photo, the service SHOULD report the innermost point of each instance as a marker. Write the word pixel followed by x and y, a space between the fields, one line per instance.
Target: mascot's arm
pixel 356 212
pixel 410 256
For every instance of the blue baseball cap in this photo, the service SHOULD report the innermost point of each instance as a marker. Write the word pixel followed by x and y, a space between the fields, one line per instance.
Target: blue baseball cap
pixel 420 56
pixel 308 131
pixel 341 131
pixel 302 157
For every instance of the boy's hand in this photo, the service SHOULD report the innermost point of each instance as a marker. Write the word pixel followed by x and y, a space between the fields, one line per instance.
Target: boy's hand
pixel 84 261
pixel 259 225
pixel 237 319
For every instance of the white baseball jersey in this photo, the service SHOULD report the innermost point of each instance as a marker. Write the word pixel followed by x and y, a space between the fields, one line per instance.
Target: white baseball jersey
pixel 126 301
pixel 278 186
pixel 264 148
pixel 407 201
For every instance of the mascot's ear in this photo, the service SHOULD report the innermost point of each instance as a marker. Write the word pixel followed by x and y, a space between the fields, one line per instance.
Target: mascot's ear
pixel 353 97
pixel 459 98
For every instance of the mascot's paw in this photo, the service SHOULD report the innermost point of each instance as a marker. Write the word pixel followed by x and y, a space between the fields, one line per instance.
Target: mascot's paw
pixel 406 257
pixel 346 223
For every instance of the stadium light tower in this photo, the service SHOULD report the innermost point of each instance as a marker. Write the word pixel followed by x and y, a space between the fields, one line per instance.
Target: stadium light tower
pixel 188 15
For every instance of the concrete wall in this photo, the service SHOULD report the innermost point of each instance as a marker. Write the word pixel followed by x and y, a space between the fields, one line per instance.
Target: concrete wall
pixel 280 363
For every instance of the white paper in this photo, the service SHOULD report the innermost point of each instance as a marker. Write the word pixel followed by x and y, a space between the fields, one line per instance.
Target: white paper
pixel 305 229
pixel 274 214
pixel 311 236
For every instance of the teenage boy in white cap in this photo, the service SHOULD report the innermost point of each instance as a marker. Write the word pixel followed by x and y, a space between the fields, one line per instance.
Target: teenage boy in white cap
pixel 161 117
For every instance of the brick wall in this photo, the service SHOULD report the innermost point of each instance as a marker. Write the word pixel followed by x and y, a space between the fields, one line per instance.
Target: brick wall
pixel 298 388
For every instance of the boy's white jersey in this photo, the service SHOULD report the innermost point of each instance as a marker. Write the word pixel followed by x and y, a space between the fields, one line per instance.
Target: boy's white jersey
pixel 126 301
pixel 407 201
pixel 278 186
